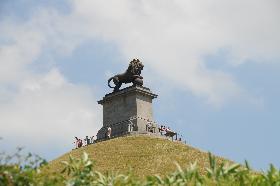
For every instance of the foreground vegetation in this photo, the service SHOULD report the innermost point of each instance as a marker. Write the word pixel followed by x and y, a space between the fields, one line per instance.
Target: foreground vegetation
pixel 19 170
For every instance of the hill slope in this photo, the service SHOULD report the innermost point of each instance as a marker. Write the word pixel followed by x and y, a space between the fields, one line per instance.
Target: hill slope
pixel 145 155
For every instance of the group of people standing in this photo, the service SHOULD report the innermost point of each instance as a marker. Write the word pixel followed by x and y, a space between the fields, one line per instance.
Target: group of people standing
pixel 169 133
pixel 90 140
pixel 163 130
pixel 150 128
pixel 87 141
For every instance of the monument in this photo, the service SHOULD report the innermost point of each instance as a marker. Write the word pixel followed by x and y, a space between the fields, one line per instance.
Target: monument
pixel 129 110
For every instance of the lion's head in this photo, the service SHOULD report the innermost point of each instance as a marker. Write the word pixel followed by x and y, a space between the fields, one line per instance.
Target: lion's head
pixel 135 67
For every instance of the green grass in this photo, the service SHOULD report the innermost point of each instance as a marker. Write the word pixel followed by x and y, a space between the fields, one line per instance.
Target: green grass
pixel 143 154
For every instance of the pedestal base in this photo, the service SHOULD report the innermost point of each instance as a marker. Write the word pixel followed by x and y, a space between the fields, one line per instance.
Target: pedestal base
pixel 128 110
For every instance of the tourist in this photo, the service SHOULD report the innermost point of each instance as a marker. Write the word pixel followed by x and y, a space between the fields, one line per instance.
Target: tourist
pixel 87 140
pixel 130 126
pixel 77 142
pixel 92 139
pixel 160 130
pixel 149 127
pixel 80 143
pixel 109 131
pixel 167 130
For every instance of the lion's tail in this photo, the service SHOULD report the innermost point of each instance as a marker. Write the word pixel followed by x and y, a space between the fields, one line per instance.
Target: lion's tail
pixel 109 80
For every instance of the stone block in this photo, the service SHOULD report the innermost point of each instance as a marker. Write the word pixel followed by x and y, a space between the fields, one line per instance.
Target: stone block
pixel 127 110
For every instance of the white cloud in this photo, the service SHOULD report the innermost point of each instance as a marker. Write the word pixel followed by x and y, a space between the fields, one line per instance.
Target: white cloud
pixel 48 111
pixel 23 50
pixel 44 110
pixel 171 37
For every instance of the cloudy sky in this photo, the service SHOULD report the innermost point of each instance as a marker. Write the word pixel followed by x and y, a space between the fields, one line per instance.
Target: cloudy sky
pixel 215 65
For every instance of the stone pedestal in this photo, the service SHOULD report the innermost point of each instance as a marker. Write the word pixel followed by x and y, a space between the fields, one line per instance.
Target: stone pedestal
pixel 127 110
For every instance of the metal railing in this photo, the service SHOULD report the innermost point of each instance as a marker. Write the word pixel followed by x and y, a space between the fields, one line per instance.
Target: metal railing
pixel 130 128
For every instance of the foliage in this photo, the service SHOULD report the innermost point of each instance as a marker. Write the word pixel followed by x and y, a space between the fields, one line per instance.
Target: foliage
pixel 17 169
pixel 26 170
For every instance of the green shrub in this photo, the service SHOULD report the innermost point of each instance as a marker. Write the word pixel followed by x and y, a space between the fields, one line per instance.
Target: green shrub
pixel 18 170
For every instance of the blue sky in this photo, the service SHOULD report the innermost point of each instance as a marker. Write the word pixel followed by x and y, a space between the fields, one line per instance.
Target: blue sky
pixel 216 71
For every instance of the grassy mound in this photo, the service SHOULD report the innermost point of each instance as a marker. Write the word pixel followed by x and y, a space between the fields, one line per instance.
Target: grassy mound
pixel 143 154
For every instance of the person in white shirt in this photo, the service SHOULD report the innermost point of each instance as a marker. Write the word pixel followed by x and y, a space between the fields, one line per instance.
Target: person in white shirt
pixel 109 132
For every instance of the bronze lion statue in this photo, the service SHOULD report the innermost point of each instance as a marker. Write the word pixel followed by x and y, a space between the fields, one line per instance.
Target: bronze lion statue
pixel 131 75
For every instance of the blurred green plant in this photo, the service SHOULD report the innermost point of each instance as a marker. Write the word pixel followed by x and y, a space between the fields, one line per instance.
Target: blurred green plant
pixel 17 170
